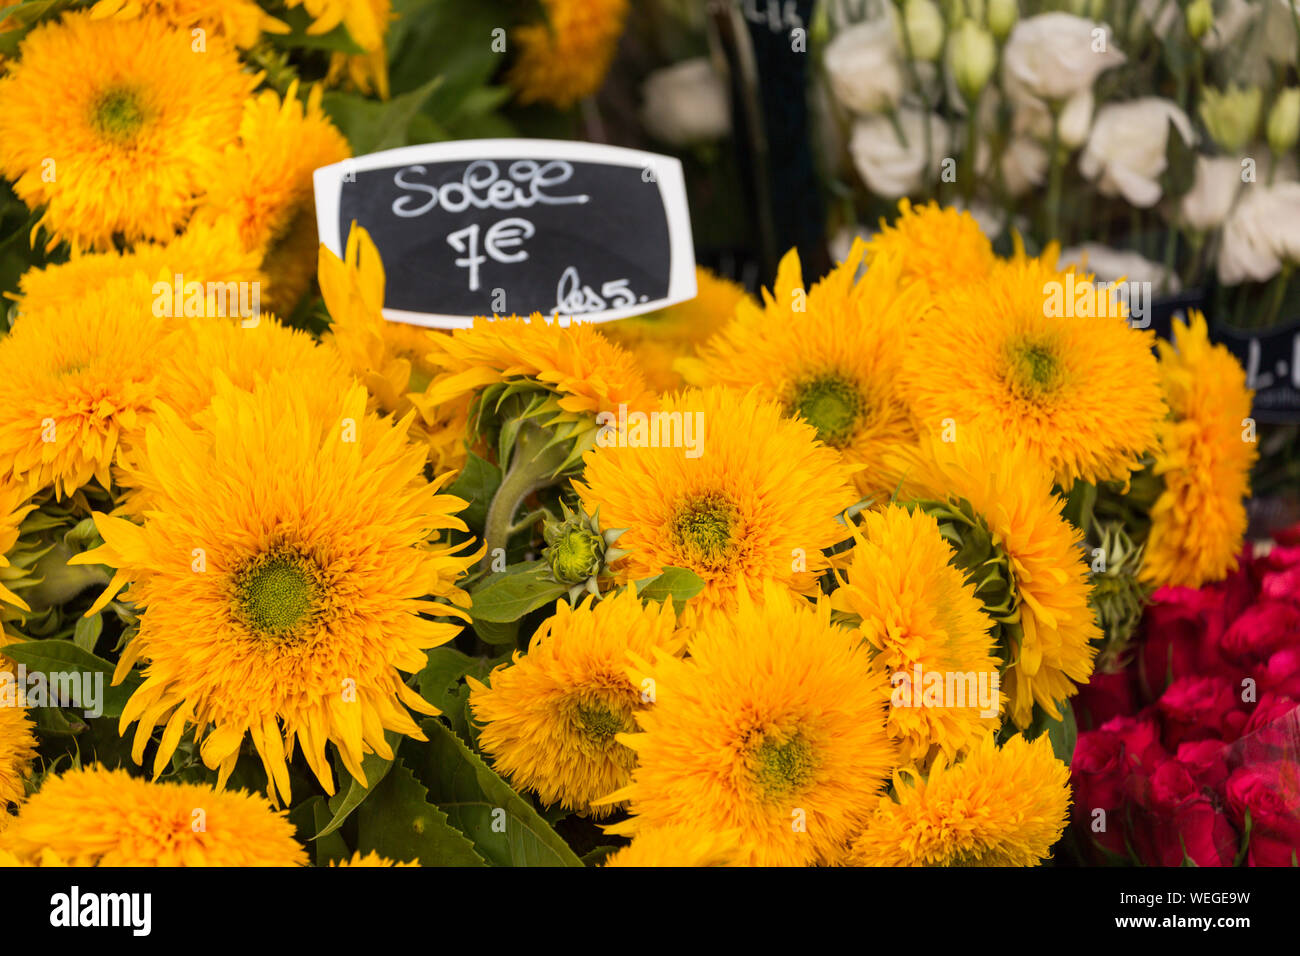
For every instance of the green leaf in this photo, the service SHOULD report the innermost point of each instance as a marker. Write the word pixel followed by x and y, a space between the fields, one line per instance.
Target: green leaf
pixel 308 817
pixel 400 823
pixel 52 656
pixel 85 633
pixel 508 595
pixel 477 482
pixel 1180 163
pixel 21 18
pixel 680 584
pixel 503 826
pixel 1063 734
pixel 375 768
pixel 372 125
pixel 597 856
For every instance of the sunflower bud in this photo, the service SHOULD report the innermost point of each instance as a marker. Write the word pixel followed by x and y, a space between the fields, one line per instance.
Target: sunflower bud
pixel 1117 596
pixel 1284 121
pixel 577 551
pixel 972 56
pixel 1231 115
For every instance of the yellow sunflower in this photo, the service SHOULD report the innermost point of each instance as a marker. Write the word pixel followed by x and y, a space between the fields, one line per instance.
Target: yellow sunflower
pixel 77 382
pixel 921 615
pixel 774 727
pixel 660 338
pixel 392 359
pixel 1204 457
pixel 550 718
pixel 679 845
pixel 830 355
pixel 109 123
pixel 281 573
pixel 203 253
pixel 99 817
pixel 999 807
pixel 1036 557
pixel 264 184
pixel 241 21
pixel 565 58
pixel 1018 355
pixel 369 860
pixel 939 246
pixel 367 24
pixel 756 500
pixel 216 349
pixel 17 744
pixel 15 505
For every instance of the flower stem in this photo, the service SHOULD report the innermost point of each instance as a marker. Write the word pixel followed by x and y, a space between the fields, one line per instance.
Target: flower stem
pixel 1057 171
pixel 532 466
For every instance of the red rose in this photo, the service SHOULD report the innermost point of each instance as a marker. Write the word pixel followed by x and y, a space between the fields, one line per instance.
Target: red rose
pixel 1182 822
pixel 1271 733
pixel 1181 629
pixel 1260 630
pixel 1289 535
pixel 1098 772
pixel 1281 672
pixel 1103 697
pixel 1206 761
pixel 1141 738
pixel 1197 707
pixel 1270 793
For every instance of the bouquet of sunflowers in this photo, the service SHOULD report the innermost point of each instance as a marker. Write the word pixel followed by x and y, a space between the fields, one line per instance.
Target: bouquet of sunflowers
pixel 802 578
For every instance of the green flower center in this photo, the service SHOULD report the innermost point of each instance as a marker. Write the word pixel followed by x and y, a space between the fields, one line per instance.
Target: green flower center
pixel 118 114
pixel 1035 369
pixel 829 404
pixel 704 528
pixel 599 724
pixel 781 769
pixel 278 593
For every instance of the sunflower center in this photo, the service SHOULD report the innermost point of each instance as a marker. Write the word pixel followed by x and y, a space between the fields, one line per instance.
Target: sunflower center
pixel 118 114
pixel 599 724
pixel 1035 369
pixel 782 768
pixel 831 405
pixel 278 593
pixel 704 527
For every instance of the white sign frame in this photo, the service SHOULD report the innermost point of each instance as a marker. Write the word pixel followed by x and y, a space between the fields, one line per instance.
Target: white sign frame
pixel 664 171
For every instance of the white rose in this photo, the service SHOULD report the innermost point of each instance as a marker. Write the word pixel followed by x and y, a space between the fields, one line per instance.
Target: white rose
pixel 1024 165
pixel 1261 233
pixel 1125 152
pixel 1207 203
pixel 686 103
pixel 889 168
pixel 1052 55
pixel 1112 265
pixel 864 67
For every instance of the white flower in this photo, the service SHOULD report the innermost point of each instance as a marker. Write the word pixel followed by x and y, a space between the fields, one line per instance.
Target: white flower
pixel 1207 203
pixel 1056 55
pixel 1125 152
pixel 686 103
pixel 1112 265
pixel 1261 233
pixel 1031 117
pixel 1024 165
pixel 889 168
pixel 864 67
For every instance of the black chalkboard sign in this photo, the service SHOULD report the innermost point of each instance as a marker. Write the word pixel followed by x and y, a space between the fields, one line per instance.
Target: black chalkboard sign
pixel 515 226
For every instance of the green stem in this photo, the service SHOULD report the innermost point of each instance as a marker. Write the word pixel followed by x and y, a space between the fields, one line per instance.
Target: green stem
pixel 1279 293
pixel 533 465
pixel 1057 171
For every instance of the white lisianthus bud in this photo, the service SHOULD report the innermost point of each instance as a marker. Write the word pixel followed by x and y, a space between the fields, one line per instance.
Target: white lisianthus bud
pixel 924 25
pixel 1284 120
pixel 686 103
pixel 972 56
pixel 1003 15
